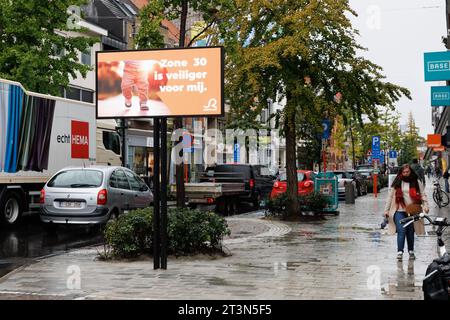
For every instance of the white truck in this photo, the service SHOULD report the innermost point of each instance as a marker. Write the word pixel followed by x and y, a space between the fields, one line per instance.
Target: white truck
pixel 41 134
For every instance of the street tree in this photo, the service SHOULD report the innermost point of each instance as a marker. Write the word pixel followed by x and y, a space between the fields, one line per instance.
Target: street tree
pixel 303 52
pixel 35 49
pixel 410 141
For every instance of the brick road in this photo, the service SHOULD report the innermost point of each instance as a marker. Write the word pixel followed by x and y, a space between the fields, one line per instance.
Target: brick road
pixel 333 257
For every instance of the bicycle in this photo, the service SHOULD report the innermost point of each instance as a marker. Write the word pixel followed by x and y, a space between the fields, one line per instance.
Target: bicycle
pixel 440 197
pixel 437 276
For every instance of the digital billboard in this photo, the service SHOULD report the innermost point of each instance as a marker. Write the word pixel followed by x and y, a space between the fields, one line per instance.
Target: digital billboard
pixel 160 83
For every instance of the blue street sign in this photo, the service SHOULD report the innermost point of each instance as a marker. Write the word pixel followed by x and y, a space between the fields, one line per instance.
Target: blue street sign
pixel 382 157
pixel 237 154
pixel 440 96
pixel 369 160
pixel 376 147
pixel 437 66
pixel 392 154
pixel 326 124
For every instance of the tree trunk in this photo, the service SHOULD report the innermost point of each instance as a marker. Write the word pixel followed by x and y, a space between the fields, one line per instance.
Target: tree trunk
pixel 293 207
pixel 178 123
pixel 353 146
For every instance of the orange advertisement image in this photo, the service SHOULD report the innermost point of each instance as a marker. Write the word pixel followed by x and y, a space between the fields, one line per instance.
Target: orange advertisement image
pixel 160 83
pixel 434 140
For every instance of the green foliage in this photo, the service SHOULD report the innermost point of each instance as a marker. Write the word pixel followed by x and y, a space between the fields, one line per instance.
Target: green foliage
pixel 189 231
pixel 131 234
pixel 31 35
pixel 314 202
pixel 302 53
pixel 149 35
pixel 150 32
pixel 193 230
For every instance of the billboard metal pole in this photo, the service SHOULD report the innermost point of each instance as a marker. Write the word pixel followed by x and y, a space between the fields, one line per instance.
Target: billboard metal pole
pixel 164 193
pixel 156 196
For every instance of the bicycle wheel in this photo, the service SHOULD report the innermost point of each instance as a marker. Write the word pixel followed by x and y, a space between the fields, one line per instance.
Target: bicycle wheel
pixel 437 197
pixel 444 199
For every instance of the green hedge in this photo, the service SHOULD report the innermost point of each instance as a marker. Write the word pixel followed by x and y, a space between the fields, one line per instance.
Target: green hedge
pixel 189 231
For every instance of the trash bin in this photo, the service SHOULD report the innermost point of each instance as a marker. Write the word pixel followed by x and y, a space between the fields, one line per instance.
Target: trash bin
pixel 349 193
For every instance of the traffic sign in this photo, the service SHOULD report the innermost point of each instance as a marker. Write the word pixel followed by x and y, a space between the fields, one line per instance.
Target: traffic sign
pixel 376 147
pixel 326 124
pixel 237 153
pixel 392 154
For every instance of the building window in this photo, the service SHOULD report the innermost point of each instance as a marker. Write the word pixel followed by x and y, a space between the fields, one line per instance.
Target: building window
pixel 86 57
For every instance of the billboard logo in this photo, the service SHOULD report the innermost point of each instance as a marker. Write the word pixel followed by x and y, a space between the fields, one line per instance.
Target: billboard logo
pixel 436 66
pixel 441 96
pixel 80 140
pixel 212 105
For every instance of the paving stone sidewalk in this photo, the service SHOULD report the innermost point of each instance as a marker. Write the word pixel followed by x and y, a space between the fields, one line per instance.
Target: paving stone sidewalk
pixel 333 257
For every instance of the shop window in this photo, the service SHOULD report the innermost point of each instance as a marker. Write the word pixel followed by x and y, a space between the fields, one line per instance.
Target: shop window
pixel 111 141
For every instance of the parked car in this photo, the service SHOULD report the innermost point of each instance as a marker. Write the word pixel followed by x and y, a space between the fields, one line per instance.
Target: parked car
pixel 92 195
pixel 257 184
pixel 361 182
pixel 343 178
pixel 305 183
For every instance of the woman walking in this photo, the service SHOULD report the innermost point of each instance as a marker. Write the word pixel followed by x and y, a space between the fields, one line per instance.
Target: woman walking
pixel 405 190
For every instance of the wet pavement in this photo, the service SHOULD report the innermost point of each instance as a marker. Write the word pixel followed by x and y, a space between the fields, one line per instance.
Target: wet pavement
pixel 21 245
pixel 331 257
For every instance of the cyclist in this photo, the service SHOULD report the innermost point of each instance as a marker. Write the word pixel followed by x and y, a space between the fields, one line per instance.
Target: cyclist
pixel 406 189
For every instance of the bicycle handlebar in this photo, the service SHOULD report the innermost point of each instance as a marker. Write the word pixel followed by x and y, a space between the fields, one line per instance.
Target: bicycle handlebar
pixel 423 215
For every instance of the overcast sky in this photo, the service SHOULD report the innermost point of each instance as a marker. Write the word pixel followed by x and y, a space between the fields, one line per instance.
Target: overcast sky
pixel 397 33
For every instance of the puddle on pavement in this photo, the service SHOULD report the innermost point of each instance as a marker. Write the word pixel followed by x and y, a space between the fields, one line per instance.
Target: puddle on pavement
pixel 336 239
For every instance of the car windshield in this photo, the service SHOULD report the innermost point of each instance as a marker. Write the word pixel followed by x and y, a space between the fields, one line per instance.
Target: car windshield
pixel 77 179
pixel 300 176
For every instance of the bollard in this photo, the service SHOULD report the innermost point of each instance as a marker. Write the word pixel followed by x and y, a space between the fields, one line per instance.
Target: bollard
pixel 349 193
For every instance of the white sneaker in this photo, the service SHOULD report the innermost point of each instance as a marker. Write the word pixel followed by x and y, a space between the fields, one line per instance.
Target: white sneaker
pixel 412 256
pixel 144 106
pixel 127 103
pixel 400 255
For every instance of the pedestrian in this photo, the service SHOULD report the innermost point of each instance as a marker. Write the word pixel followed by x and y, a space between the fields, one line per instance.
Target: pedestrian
pixel 446 175
pixel 405 190
pixel 418 170
pixel 134 74
pixel 429 172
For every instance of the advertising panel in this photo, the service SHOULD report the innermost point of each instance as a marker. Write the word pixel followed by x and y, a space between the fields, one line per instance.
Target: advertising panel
pixel 160 83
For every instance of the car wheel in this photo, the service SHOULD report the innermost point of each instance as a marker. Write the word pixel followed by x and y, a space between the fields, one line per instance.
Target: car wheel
pixel 11 209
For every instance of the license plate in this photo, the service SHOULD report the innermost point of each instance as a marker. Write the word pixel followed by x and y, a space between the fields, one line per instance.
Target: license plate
pixel 70 204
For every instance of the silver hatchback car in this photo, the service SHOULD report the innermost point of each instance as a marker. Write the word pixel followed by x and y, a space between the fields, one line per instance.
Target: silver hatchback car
pixel 92 195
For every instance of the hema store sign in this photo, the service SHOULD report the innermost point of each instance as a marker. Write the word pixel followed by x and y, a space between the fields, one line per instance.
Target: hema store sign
pixel 78 139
